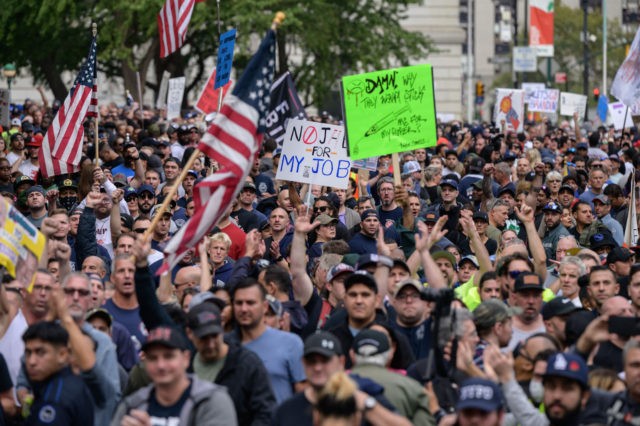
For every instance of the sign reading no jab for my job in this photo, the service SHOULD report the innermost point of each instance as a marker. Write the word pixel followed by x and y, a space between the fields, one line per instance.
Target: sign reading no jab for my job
pixel 314 153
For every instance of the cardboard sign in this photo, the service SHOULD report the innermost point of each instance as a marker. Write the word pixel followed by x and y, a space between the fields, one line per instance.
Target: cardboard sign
pixel 524 59
pixel 21 245
pixel 5 117
pixel 225 58
pixel 530 89
pixel 389 111
pixel 174 97
pixel 370 163
pixel 571 103
pixel 617 111
pixel 162 94
pixel 510 107
pixel 209 97
pixel 545 100
pixel 314 153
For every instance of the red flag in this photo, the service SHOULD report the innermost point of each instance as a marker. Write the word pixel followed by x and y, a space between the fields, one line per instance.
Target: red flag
pixel 62 145
pixel 233 140
pixel 173 21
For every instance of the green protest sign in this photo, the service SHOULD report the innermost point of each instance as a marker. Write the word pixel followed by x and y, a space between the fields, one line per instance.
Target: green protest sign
pixel 389 111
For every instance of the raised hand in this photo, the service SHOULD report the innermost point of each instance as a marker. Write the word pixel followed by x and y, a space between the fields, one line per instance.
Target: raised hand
pixel 303 221
pixel 524 214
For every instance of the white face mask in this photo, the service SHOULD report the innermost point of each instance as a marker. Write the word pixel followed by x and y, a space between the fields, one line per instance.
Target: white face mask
pixel 536 390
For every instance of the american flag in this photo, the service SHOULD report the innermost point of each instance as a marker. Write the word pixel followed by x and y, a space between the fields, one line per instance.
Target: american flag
pixel 62 145
pixel 233 140
pixel 173 21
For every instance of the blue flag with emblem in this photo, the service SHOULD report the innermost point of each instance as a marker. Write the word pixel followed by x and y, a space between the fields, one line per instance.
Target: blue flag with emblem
pixel 602 107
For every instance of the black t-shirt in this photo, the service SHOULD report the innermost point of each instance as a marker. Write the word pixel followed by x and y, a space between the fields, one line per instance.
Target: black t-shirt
pixel 609 356
pixel 5 383
pixel 166 415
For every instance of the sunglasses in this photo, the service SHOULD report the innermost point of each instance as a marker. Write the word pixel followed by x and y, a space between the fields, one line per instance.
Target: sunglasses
pixel 146 196
pixel 131 198
pixel 515 274
pixel 320 209
pixel 72 291
pixel 140 230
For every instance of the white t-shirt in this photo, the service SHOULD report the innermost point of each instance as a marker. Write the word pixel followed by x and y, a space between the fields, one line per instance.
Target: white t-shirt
pixel 103 234
pixel 27 168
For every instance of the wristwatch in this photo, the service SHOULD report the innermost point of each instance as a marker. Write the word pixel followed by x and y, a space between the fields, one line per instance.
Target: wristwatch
pixel 370 403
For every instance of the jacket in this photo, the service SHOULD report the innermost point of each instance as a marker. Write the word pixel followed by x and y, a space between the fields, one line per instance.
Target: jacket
pixel 208 404
pixel 247 381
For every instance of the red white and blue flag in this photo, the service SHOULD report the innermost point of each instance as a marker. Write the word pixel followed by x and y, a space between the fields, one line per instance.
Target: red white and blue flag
pixel 233 140
pixel 173 21
pixel 62 145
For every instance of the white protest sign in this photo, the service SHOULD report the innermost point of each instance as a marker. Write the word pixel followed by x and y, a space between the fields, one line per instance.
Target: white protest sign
pixel 174 97
pixel 5 118
pixel 545 100
pixel 162 94
pixel 571 103
pixel 510 108
pixel 525 59
pixel 618 111
pixel 530 88
pixel 314 153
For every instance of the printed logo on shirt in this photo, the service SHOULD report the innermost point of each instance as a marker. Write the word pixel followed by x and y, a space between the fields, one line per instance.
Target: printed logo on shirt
pixel 47 414
pixel 165 421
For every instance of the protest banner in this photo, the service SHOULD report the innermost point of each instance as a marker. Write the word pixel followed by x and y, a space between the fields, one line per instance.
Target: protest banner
pixel 571 103
pixel 626 84
pixel 530 88
pixel 174 97
pixel 285 104
pixel 545 100
pixel 5 117
pixel 541 26
pixel 225 58
pixel 389 111
pixel 161 102
pixel 510 108
pixel 208 99
pixel 618 111
pixel 524 59
pixel 314 153
pixel 21 244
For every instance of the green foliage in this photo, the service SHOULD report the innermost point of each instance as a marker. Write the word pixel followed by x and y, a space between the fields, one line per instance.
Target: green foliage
pixel 319 41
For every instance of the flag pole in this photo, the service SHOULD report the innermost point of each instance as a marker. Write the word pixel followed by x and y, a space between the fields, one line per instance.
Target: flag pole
pixel 94 30
pixel 141 106
pixel 219 34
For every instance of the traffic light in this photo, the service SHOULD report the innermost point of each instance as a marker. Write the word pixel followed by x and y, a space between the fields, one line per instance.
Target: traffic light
pixel 479 89
pixel 596 94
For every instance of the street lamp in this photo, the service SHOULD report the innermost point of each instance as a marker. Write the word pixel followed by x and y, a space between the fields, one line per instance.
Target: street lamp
pixel 9 72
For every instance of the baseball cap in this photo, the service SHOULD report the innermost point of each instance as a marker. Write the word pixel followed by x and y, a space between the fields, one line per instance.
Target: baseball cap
pixel 369 213
pixel 322 343
pixel 408 282
pixel 480 394
pixel 34 142
pixel 449 182
pixel 491 312
pixel 552 207
pixel 126 220
pixel 569 366
pixel 23 179
pixel 130 190
pixel 582 145
pixel 206 296
pixel 146 188
pixel 614 157
pixel 249 185
pixel 100 313
pixel 476 164
pixel 16 122
pixel 325 219
pixel 68 183
pixel 165 336
pixel 510 188
pixel 193 173
pixel 469 258
pixel 35 188
pixel 481 216
pixel 339 269
pixel 120 180
pixel 528 281
pixel 558 307
pixel 367 259
pixel 477 184
pixel 402 264
pixel 204 319
pixel 361 277
pixel 431 217
pixel 602 198
pixel 159 209
pixel 443 254
pixel 370 342
pixel 602 239
pixel 411 167
pixel 619 254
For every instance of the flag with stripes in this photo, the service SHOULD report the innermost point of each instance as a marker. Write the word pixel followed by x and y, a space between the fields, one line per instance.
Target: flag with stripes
pixel 631 232
pixel 233 140
pixel 62 145
pixel 173 21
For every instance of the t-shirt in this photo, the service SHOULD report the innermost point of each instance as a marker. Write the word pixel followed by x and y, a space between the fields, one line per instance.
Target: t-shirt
pixel 395 215
pixel 281 354
pixel 419 337
pixel 103 234
pixel 130 319
pixel 207 370
pixel 27 168
pixel 162 415
pixel 238 237
pixel 520 336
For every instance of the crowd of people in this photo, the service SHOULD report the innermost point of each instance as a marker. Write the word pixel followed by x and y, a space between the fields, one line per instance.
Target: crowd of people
pixel 494 285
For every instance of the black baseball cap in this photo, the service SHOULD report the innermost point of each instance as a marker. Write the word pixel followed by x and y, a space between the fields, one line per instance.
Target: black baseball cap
pixel 205 319
pixel 165 336
pixel 361 277
pixel 558 307
pixel 322 343
pixel 528 281
pixel 370 342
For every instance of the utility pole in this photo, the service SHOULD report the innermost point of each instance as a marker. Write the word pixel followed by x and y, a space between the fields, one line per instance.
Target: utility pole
pixel 585 54
pixel 604 48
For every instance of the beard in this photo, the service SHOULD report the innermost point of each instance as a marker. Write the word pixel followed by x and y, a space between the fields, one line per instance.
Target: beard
pixel 570 417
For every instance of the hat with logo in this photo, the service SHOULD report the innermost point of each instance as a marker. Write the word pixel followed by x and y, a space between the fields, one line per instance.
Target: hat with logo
pixel 248 185
pixel 528 281
pixel 16 122
pixel 33 142
pixel 169 337
pixel 569 366
pixel 325 219
pixel 368 213
pixel 601 198
pixel 449 182
pixel 602 239
pixel 431 217
pixel 361 277
pixel 193 173
pixel 479 394
pixel 491 312
pixel 146 188
pixel 322 343
pixel 411 167
pixel 370 342
pixel 481 216
pixel 129 191
pixel 552 208
pixel 68 184
pixel 100 313
pixel 205 319
pixel 558 307
pixel 408 283
pixel 619 254
pixel 339 269
pixel 23 179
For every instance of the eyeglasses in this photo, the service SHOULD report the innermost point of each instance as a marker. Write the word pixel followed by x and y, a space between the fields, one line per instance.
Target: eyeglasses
pixel 321 209
pixel 82 292
pixel 140 230
pixel 132 198
pixel 5 168
pixel 515 274
pixel 405 296
pixel 554 181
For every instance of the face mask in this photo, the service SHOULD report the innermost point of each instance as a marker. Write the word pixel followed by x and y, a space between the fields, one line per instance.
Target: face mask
pixel 536 390
pixel 67 202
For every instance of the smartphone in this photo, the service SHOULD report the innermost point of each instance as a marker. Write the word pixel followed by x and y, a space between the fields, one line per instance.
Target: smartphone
pixel 624 326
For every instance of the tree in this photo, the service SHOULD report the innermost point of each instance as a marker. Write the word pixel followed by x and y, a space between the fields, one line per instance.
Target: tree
pixel 319 41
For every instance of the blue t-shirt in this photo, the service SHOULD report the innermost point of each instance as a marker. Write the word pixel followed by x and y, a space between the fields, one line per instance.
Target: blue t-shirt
pixel 281 354
pixel 130 318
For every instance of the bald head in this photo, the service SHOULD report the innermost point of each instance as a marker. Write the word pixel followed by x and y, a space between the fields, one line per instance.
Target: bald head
pixel 617 306
pixel 186 277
